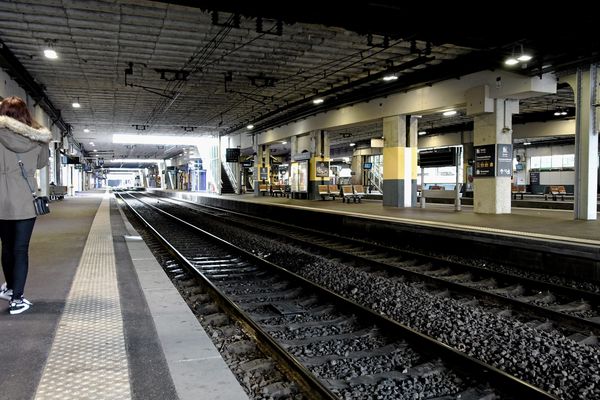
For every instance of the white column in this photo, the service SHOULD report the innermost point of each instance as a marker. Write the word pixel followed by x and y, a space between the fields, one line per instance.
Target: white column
pixel 492 194
pixel 584 84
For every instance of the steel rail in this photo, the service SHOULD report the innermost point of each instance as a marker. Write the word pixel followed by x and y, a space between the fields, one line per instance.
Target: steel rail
pixel 460 361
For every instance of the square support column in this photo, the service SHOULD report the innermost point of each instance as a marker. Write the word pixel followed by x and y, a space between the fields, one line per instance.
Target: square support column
pixel 492 194
pixel 400 161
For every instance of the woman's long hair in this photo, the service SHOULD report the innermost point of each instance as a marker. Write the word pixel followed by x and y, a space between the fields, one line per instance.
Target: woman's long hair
pixel 16 108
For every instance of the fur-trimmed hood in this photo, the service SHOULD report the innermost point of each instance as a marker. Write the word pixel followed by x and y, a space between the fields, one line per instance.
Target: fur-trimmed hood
pixel 39 135
pixel 19 137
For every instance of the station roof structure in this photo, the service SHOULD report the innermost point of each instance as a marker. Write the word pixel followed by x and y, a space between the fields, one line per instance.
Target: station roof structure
pixel 208 68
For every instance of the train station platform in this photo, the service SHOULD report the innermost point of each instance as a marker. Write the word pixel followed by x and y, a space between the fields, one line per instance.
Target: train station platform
pixel 570 246
pixel 106 322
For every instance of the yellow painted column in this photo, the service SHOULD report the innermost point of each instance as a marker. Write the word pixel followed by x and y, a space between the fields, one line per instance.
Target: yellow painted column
pixel 400 161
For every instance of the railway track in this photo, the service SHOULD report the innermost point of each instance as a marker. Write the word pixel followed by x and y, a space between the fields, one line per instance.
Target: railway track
pixel 335 347
pixel 574 312
pixel 529 348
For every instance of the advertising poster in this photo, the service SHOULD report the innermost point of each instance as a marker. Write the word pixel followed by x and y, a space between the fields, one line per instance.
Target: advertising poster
pixel 299 176
pixel 322 169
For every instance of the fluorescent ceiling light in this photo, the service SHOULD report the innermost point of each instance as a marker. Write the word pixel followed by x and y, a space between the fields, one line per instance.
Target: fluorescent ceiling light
pixel 449 113
pixel 161 139
pixel 134 160
pixel 51 54
pixel 250 126
pixel 318 101
pixel 511 61
pixel 389 78
pixel 76 105
pixel 95 151
pixel 86 130
pixel 526 143
pixel 92 144
pixel 421 133
pixel 284 142
pixel 352 144
pixel 524 57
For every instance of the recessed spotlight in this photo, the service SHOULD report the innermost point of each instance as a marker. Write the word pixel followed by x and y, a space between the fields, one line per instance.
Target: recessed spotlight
pixel 318 101
pixel 51 54
pixel 449 113
pixel 250 126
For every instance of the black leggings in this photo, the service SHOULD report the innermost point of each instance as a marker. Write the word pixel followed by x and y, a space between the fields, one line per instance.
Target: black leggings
pixel 15 236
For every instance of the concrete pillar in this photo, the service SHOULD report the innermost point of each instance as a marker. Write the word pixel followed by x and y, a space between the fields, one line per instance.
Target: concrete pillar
pixel 584 84
pixel 319 163
pixel 492 182
pixel 262 166
pixel 400 161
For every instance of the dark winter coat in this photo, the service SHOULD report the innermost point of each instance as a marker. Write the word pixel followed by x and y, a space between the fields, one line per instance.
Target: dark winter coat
pixel 20 141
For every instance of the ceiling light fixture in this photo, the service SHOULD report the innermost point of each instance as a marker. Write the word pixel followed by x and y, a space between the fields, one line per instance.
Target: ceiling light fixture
pixel 50 53
pixel 284 142
pixel 389 78
pixel 421 133
pixel 162 139
pixel 352 144
pixel 76 104
pixel 522 56
pixel 86 130
pixel 250 127
pixel 526 143
pixel 449 113
pixel 318 101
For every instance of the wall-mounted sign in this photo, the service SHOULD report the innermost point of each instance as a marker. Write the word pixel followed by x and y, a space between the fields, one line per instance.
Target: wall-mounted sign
pixel 534 178
pixel 232 155
pixel 504 159
pixel 485 160
pixel 264 175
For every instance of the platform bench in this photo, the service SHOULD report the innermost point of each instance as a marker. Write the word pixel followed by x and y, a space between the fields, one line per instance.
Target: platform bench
pixel 518 190
pixel 437 194
pixel 555 191
pixel 326 191
pixel 352 192
pixel 277 190
pixel 57 192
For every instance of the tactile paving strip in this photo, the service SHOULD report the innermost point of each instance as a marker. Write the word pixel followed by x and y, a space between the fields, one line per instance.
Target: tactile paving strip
pixel 88 360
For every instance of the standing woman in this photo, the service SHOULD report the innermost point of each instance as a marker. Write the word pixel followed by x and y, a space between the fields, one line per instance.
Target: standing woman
pixel 21 139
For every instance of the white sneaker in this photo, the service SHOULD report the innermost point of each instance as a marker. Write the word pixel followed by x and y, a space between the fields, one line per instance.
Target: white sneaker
pixel 18 306
pixel 5 294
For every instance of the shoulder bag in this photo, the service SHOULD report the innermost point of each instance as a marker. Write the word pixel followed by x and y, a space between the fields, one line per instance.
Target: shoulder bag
pixel 41 204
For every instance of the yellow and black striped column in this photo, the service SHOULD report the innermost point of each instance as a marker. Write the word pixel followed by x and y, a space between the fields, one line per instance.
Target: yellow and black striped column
pixel 400 161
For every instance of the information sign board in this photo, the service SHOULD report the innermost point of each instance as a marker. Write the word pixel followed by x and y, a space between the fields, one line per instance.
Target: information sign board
pixel 485 160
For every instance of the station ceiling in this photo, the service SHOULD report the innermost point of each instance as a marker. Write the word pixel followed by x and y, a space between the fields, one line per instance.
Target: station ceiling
pixel 209 68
